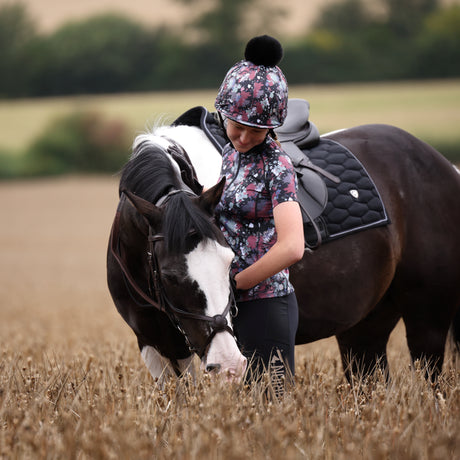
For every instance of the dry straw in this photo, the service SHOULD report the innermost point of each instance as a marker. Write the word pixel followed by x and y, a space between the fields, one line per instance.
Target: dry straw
pixel 93 407
pixel 73 385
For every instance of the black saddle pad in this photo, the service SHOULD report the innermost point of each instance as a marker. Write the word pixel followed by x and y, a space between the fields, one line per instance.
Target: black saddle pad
pixel 354 204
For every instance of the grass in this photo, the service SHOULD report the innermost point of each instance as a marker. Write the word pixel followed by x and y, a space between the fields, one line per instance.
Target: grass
pixel 73 385
pixel 105 406
pixel 427 109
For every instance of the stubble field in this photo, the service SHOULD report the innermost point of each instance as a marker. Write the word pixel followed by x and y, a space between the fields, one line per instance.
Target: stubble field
pixel 72 384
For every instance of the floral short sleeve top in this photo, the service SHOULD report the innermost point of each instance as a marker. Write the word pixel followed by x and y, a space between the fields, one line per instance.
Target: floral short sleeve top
pixel 256 182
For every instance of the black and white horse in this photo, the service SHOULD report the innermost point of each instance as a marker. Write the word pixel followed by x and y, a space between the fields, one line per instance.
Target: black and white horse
pixel 355 288
pixel 168 264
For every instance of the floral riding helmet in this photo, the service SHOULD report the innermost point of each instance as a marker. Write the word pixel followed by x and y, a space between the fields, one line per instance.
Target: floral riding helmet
pixel 255 91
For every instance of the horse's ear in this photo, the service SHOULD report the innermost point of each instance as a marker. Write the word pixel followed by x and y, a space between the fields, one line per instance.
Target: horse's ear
pixel 210 198
pixel 144 207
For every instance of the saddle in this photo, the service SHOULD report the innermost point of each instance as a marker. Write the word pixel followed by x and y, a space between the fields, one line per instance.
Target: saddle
pixel 336 195
pixel 297 132
pixel 297 135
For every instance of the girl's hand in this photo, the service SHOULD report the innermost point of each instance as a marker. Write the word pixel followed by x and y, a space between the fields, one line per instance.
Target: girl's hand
pixel 288 249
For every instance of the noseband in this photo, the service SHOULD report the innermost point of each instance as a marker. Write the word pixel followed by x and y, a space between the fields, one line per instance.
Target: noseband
pixel 158 298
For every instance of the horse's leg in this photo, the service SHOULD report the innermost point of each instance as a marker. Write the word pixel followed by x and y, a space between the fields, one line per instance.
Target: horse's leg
pixel 363 347
pixel 161 368
pixel 427 325
pixel 456 330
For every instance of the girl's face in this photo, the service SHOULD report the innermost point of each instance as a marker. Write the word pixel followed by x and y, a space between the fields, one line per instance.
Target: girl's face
pixel 243 137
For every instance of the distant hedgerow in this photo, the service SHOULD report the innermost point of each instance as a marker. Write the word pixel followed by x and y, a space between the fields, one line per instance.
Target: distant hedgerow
pixel 79 143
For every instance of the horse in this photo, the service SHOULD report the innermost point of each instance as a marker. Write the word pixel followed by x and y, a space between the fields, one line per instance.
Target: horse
pixel 168 265
pixel 357 288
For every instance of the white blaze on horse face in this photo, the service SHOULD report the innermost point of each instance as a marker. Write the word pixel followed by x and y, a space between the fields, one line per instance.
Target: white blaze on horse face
pixel 208 264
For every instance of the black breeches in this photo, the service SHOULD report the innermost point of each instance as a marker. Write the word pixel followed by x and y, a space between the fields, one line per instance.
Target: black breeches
pixel 266 330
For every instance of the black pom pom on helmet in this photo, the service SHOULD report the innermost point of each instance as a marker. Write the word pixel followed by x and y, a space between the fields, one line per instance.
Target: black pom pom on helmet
pixel 264 50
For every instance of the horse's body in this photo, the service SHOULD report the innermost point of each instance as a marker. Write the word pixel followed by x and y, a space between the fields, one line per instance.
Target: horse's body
pixel 358 287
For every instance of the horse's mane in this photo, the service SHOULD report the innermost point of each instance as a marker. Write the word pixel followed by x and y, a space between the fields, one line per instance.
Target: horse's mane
pixel 150 174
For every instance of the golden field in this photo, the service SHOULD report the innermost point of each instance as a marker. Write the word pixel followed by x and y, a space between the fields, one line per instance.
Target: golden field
pixel 72 384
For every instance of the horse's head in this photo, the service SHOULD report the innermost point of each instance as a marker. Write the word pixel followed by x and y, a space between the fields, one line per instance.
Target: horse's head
pixel 186 262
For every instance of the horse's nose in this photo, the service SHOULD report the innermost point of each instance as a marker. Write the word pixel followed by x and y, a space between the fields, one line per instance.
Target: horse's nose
pixel 213 368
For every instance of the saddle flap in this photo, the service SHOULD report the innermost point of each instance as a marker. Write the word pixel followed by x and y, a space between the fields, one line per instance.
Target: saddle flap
pixel 312 193
pixel 312 190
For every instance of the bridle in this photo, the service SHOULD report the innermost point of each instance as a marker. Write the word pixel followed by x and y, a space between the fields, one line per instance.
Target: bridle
pixel 157 297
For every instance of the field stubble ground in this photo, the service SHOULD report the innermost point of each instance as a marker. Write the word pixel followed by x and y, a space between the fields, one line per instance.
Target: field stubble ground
pixel 72 384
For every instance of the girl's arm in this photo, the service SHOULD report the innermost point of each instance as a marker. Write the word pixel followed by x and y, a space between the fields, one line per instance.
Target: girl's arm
pixel 287 250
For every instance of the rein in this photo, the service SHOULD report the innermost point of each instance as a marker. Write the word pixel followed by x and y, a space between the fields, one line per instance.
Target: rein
pixel 160 302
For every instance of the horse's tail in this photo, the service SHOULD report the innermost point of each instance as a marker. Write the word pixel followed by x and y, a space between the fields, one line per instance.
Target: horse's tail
pixel 455 330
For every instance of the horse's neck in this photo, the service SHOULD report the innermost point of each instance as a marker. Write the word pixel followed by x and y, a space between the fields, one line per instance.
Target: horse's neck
pixel 204 156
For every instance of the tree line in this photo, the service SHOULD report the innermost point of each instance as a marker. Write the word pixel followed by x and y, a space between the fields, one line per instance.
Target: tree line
pixel 110 53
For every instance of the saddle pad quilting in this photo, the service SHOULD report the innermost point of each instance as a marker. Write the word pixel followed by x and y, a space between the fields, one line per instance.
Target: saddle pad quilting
pixel 355 203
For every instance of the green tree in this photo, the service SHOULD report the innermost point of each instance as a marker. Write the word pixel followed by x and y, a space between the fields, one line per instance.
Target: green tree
pixel 346 16
pixel 79 142
pixel 439 45
pixel 222 31
pixel 374 41
pixel 406 18
pixel 227 25
pixel 17 32
pixel 106 53
pixel 401 18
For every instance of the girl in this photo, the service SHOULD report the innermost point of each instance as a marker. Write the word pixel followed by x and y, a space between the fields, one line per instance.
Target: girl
pixel 259 213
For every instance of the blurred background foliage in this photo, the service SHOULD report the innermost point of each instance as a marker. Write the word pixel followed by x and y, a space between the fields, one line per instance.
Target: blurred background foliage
pixel 81 142
pixel 351 41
